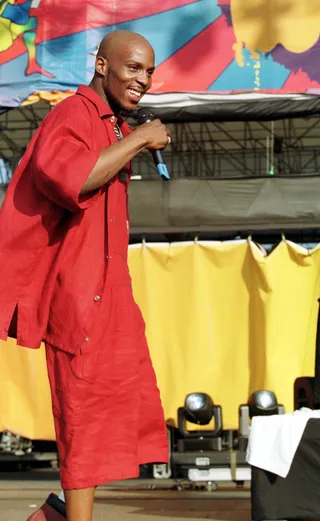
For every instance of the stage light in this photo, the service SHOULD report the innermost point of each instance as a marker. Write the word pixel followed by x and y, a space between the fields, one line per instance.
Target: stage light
pixel 198 408
pixel 260 403
pixel 13 444
pixel 263 403
pixel 203 452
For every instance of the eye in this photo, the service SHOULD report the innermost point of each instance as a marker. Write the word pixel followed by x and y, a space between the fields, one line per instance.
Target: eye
pixel 133 67
pixel 150 72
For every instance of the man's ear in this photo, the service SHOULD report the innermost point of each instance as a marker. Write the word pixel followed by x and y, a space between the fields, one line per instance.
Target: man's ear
pixel 101 65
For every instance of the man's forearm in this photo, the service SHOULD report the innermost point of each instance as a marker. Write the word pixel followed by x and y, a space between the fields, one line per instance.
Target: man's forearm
pixel 112 159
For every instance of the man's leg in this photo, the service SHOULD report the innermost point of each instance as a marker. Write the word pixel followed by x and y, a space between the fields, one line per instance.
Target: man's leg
pixel 79 504
pixel 66 401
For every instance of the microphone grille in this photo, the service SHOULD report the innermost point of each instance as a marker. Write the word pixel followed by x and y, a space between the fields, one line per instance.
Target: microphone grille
pixel 144 115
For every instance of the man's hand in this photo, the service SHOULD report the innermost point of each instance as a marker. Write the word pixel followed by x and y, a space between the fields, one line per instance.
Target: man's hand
pixel 155 134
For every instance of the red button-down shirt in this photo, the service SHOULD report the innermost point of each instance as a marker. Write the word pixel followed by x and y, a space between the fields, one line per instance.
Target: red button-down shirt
pixel 58 249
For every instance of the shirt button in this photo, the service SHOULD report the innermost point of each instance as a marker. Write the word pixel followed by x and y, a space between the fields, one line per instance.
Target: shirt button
pixel 96 298
pixel 112 119
pixel 86 339
pixel 111 220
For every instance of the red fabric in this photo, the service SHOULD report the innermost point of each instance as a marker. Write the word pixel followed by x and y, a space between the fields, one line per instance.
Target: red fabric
pixel 53 243
pixel 107 409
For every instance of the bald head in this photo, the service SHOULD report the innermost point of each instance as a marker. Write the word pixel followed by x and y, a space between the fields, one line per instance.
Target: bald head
pixel 123 70
pixel 120 41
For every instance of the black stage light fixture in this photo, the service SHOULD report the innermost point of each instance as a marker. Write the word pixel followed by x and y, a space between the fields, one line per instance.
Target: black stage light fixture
pixel 260 403
pixel 199 409
pixel 263 403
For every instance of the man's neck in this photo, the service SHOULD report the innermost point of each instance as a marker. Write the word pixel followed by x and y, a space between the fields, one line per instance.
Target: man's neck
pixel 99 90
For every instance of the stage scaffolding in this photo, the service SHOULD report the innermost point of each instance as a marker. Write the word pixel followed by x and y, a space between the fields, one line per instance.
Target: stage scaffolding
pixel 204 150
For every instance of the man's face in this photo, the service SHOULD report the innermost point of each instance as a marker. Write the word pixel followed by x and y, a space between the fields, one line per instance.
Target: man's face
pixel 127 75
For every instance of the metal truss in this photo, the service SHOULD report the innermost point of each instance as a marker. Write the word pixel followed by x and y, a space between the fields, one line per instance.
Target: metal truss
pixel 241 149
pixel 16 129
pixel 288 147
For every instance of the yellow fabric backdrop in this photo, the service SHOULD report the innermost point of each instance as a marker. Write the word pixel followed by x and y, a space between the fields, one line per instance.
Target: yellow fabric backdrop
pixel 222 318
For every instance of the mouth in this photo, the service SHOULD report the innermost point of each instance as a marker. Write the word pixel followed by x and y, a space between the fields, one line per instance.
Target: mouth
pixel 134 95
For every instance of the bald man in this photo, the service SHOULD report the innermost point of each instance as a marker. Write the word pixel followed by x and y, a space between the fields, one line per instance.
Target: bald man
pixel 64 226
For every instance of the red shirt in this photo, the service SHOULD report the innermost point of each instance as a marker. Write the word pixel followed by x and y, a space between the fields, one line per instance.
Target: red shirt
pixel 59 250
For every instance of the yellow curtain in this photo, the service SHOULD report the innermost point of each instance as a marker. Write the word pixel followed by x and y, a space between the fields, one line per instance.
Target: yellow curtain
pixel 222 318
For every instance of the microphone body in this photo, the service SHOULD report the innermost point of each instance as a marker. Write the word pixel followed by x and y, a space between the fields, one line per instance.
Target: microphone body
pixel 145 116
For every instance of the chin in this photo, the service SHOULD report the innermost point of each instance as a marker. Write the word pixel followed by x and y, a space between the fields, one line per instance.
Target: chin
pixel 128 108
pixel 128 105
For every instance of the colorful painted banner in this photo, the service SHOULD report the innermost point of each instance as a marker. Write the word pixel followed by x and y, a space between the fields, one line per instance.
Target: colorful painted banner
pixel 48 47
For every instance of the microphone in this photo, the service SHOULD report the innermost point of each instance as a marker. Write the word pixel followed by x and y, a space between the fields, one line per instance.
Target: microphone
pixel 146 116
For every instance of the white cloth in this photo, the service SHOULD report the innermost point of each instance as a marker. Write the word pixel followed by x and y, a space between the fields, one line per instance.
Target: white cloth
pixel 273 440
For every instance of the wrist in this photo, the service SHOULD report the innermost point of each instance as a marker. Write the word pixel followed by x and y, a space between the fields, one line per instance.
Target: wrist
pixel 140 140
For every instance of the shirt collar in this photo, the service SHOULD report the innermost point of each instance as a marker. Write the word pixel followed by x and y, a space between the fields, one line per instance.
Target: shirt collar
pixel 102 107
